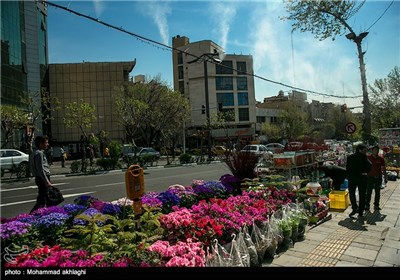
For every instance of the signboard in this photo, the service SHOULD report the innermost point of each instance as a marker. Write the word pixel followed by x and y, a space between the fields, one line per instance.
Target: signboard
pixel 350 127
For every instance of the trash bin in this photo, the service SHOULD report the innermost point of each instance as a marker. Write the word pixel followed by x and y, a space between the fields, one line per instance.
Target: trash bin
pixel 134 183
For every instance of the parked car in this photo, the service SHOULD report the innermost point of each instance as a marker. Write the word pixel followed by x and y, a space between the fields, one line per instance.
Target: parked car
pixel 258 149
pixel 275 148
pixel 12 157
pixel 294 146
pixel 148 151
pixel 219 150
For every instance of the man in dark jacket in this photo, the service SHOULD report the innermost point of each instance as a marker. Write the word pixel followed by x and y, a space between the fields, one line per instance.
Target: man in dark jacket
pixel 357 167
pixel 336 173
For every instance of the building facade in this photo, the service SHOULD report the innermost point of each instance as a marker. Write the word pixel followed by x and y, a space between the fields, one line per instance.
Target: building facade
pixel 214 83
pixel 93 83
pixel 24 57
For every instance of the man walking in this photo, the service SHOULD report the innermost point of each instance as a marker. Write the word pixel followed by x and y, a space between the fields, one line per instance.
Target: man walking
pixel 41 172
pixel 375 175
pixel 357 167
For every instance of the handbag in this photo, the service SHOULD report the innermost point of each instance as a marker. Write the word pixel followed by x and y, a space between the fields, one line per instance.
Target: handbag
pixel 54 196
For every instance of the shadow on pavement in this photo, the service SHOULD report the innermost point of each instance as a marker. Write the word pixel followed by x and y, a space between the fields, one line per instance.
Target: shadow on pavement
pixel 353 224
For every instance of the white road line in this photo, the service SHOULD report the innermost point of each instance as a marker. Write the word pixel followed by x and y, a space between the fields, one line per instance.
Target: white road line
pixel 33 200
pixel 29 187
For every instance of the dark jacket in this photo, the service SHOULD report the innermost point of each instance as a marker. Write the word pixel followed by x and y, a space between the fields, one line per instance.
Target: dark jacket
pixel 357 164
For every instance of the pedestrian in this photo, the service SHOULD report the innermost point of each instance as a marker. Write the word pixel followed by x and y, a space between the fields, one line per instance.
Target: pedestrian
pixel 41 172
pixel 106 152
pixel 62 152
pixel 357 167
pixel 375 175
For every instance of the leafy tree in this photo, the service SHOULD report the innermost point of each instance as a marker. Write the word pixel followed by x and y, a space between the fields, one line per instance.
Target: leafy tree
pixel 385 100
pixel 328 18
pixel 12 119
pixel 150 112
pixel 272 130
pixel 292 121
pixel 80 115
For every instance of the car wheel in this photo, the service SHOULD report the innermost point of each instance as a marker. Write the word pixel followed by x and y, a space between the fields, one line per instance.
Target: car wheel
pixel 23 170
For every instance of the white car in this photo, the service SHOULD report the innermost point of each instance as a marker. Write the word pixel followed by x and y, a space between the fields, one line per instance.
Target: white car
pixel 258 149
pixel 10 157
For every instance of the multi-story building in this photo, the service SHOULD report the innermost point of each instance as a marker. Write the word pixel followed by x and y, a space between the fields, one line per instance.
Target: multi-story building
pixel 94 83
pixel 213 85
pixel 24 57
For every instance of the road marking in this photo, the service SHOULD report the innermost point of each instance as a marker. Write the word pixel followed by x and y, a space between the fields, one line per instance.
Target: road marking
pixel 33 200
pixel 29 187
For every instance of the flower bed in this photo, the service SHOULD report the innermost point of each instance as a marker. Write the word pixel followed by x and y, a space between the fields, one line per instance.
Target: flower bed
pixel 183 226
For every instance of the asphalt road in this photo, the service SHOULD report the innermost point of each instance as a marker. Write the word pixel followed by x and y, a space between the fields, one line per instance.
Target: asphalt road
pixel 19 197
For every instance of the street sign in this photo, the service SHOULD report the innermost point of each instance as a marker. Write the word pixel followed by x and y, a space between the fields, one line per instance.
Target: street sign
pixel 350 127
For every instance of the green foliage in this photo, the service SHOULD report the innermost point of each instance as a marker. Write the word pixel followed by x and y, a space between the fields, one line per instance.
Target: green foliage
pixel 385 101
pixel 76 166
pixel 80 115
pixel 185 158
pixel 108 163
pixel 115 149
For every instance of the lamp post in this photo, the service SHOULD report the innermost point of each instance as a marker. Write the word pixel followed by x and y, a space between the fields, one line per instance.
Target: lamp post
pixel 206 57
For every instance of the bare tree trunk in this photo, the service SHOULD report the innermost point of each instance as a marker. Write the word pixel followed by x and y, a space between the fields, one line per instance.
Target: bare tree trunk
pixel 366 126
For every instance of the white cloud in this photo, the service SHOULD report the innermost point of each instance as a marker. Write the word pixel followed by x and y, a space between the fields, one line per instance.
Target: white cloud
pixel 223 14
pixel 159 11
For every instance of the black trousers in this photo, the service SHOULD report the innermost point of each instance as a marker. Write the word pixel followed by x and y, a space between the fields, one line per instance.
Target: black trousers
pixel 42 198
pixel 374 184
pixel 360 183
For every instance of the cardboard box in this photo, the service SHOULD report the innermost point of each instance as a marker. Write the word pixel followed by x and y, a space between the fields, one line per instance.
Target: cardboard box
pixel 339 200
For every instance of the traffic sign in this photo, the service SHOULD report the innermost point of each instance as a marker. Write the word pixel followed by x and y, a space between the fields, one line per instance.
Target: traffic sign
pixel 350 127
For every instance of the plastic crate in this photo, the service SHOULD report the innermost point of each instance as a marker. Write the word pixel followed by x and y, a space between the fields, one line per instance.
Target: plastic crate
pixel 339 200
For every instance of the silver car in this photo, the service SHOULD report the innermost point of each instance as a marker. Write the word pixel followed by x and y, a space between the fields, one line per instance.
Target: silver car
pixel 12 157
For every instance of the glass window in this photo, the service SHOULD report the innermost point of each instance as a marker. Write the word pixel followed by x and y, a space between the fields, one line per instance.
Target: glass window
pixel 180 72
pixel 241 83
pixel 225 67
pixel 226 98
pixel 243 98
pixel 180 58
pixel 241 67
pixel 224 83
pixel 244 114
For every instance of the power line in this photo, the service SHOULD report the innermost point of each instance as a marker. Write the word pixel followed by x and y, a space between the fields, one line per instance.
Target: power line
pixel 166 47
pixel 384 12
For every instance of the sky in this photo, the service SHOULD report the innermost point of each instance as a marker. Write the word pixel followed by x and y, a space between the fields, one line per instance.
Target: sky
pixel 283 58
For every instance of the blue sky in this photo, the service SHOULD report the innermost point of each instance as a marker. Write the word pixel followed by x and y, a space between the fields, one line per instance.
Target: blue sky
pixel 240 27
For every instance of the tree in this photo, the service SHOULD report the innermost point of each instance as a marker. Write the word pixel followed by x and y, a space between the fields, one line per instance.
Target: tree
pixel 292 121
pixel 150 111
pixel 326 19
pixel 385 100
pixel 13 118
pixel 80 115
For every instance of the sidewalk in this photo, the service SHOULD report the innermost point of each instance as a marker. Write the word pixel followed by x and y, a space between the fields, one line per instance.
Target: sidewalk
pixel 346 242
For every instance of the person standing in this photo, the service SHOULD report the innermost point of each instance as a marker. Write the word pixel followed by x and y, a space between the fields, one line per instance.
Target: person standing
pixel 357 167
pixel 41 172
pixel 62 152
pixel 375 175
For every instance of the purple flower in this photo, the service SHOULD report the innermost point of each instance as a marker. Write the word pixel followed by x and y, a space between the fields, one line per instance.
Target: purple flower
pixel 13 228
pixel 50 220
pixel 74 209
pixel 90 212
pixel 110 208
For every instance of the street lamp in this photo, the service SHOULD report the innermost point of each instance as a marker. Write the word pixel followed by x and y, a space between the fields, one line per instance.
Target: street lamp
pixel 206 57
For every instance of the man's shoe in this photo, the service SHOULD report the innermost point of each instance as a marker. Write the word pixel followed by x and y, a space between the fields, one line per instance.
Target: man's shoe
pixel 360 217
pixel 377 208
pixel 353 213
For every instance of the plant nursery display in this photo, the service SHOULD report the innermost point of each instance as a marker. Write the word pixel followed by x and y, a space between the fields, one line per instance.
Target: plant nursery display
pixel 226 222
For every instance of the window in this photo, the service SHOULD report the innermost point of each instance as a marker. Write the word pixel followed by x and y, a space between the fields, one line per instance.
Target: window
pixel 180 72
pixel 244 114
pixel 261 119
pixel 180 58
pixel 241 83
pixel 226 98
pixel 241 67
pixel 181 87
pixel 243 98
pixel 224 83
pixel 221 69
